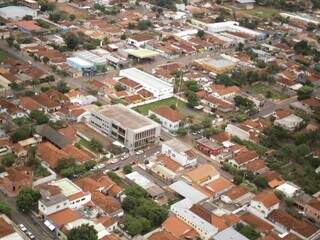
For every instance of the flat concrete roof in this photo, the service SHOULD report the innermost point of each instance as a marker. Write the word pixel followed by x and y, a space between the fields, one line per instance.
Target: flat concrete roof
pixel 142 53
pixel 126 117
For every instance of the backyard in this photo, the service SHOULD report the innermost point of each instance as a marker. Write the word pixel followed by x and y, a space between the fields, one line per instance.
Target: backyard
pixel 267 91
pixel 262 12
pixel 3 56
pixel 182 107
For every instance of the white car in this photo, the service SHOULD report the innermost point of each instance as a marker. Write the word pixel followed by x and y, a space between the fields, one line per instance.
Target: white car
pixel 114 161
pixel 106 171
pixel 101 165
pixel 22 228
pixel 30 235
pixel 139 152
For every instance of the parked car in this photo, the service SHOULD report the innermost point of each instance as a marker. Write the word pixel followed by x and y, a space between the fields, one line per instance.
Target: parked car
pixel 30 235
pixel 22 227
pixel 139 152
pixel 114 160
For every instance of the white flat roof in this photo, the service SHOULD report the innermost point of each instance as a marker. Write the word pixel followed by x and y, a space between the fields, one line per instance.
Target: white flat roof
pixel 67 187
pixel 145 79
pixel 140 180
pixel 188 191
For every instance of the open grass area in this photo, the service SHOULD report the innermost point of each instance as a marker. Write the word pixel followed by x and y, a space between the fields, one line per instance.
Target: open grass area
pixel 267 91
pixel 182 107
pixel 262 12
pixel 3 56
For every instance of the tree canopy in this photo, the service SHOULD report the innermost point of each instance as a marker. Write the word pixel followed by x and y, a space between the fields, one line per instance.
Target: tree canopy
pixel 84 232
pixel 27 199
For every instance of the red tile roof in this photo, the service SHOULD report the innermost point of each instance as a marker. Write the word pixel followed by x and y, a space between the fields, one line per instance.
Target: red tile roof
pixel 168 113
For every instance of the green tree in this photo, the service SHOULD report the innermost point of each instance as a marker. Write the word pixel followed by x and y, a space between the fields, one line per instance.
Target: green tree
pixel 305 92
pixel 63 87
pixel 118 87
pixel 8 159
pixel 144 25
pixel 84 232
pixel 127 169
pixel 129 203
pixel 10 40
pixel 96 145
pixel 181 132
pixel 247 231
pixel 21 133
pixel 136 225
pixel 136 192
pixel 39 117
pixel 200 33
pixel 260 182
pixel 55 17
pixel 27 199
pixel 5 208
pixel 192 99
pixel 71 39
pixel 192 85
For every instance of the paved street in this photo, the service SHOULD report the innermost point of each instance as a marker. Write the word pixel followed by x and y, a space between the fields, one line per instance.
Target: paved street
pixel 32 223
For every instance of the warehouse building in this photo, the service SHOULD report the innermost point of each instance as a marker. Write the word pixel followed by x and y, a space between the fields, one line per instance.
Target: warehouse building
pixel 126 126
pixel 99 62
pixel 17 12
pixel 159 88
pixel 86 68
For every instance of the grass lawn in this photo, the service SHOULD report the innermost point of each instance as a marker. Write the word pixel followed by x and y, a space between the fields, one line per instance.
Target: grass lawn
pixel 3 56
pixel 182 107
pixel 267 91
pixel 262 12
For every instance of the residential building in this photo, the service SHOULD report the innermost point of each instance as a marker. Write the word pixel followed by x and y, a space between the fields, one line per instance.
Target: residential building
pixel 179 152
pixel 209 147
pixel 312 210
pixel 237 195
pixel 203 174
pixel 169 118
pixel 126 126
pixel 229 234
pixel 264 203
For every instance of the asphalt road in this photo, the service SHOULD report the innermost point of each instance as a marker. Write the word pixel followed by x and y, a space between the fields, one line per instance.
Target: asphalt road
pixel 33 224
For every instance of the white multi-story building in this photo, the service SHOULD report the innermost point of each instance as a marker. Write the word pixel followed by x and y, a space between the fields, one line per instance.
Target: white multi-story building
pixel 179 152
pixel 132 129
pixel 159 88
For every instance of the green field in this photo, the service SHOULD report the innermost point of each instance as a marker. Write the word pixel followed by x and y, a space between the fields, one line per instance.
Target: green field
pixel 262 12
pixel 267 91
pixel 182 107
pixel 3 56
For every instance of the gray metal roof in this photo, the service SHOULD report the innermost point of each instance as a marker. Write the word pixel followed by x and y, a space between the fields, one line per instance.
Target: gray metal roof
pixel 52 135
pixel 229 234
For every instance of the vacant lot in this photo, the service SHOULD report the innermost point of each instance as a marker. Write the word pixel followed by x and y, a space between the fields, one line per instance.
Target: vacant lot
pixel 262 12
pixel 267 91
pixel 182 107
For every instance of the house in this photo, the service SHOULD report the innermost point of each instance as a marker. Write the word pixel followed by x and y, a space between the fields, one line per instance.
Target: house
pixel 179 152
pixel 131 86
pixel 169 118
pixel 224 92
pixel 237 195
pixel 303 229
pixel 162 235
pixel 248 130
pixel 312 210
pixel 216 104
pixel 179 228
pixel 260 224
pixel 264 203
pixel 218 186
pixel 288 189
pixel 52 135
pixel 50 154
pixel 139 40
pixel 243 158
pixel 13 179
pixel 287 120
pixel 28 104
pixel 256 166
pixel 246 4
pixel 203 174
pixel 11 109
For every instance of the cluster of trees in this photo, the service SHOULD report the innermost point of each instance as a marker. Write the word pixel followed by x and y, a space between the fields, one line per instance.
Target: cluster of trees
pixel 305 92
pixel 24 131
pixel 5 208
pixel 246 177
pixel 84 231
pixel 142 214
pixel 169 4
pixel 206 126
pixel 112 10
pixel 261 150
pixel 248 231
pixel 245 103
pixel 292 156
pixel 67 167
pixel 96 145
pixel 240 77
pixel 74 40
pixel 304 48
pixel 8 160
pixel 39 117
pixel 27 199
pixel 191 87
